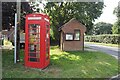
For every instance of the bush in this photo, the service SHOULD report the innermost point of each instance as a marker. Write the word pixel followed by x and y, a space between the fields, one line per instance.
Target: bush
pixel 106 38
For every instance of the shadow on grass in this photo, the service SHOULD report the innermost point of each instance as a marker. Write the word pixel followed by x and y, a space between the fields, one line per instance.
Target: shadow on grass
pixel 72 56
pixel 70 64
pixel 85 63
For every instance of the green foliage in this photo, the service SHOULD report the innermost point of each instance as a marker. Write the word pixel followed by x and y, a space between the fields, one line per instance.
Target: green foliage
pixel 75 64
pixel 106 38
pixel 62 12
pixel 117 11
pixel 102 28
pixel 51 34
pixel 116 28
pixel 36 6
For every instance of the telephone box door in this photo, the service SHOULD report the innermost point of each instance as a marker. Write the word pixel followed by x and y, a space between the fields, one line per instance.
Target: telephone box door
pixel 33 46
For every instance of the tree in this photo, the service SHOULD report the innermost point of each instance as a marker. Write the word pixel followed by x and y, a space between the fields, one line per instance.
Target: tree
pixel 102 28
pixel 116 26
pixel 8 13
pixel 37 6
pixel 117 11
pixel 62 12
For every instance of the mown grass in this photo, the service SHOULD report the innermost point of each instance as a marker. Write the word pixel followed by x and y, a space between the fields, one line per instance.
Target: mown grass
pixel 104 44
pixel 74 64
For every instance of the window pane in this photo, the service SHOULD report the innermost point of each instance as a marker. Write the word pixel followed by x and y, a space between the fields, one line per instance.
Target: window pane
pixel 77 35
pixel 33 59
pixel 69 36
pixel 32 54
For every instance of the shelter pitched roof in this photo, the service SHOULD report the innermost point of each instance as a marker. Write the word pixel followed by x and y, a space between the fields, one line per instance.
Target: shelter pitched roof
pixel 71 21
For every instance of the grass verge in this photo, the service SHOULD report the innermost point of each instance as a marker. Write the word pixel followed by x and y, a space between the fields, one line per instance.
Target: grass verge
pixel 104 44
pixel 74 64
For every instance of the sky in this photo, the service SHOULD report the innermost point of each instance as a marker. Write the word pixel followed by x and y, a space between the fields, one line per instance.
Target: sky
pixel 107 15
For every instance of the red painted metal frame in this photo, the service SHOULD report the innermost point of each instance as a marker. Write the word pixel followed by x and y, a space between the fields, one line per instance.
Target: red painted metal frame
pixel 42 22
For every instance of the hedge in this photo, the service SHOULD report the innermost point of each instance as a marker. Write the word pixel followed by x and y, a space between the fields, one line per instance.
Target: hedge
pixel 106 38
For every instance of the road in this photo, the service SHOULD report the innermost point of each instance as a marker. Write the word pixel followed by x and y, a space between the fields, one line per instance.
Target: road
pixel 109 50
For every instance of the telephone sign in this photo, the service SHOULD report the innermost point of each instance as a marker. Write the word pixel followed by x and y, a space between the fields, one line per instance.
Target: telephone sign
pixel 34 18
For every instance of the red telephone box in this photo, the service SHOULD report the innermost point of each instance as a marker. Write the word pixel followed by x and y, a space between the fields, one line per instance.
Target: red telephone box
pixel 37 41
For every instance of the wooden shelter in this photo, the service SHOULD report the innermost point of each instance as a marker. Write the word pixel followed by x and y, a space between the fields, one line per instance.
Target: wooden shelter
pixel 72 36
